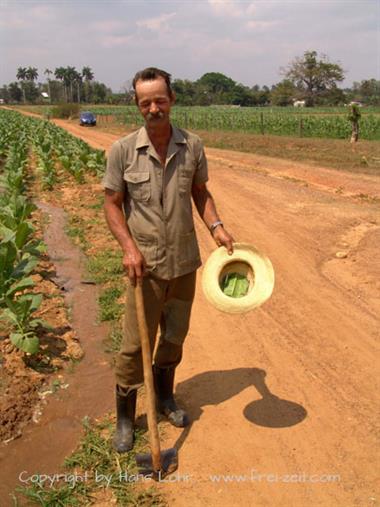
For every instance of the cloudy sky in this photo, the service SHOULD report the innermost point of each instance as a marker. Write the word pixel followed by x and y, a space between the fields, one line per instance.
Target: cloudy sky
pixel 247 40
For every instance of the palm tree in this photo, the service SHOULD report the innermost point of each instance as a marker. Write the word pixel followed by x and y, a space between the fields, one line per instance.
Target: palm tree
pixel 21 76
pixel 47 73
pixel 88 76
pixel 71 74
pixel 60 73
pixel 78 80
pixel 31 73
pixel 31 76
pixel 87 73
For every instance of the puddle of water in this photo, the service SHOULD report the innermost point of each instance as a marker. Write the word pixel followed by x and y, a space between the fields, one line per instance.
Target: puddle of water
pixel 43 446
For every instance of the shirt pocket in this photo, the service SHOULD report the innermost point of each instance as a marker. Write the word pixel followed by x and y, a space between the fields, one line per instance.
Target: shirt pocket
pixel 138 184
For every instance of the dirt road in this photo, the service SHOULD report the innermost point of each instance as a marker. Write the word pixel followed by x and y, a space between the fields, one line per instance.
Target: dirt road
pixel 331 180
pixel 285 396
pixel 284 399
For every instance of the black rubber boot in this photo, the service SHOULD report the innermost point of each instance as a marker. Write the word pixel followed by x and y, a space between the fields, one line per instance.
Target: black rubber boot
pixel 125 419
pixel 166 405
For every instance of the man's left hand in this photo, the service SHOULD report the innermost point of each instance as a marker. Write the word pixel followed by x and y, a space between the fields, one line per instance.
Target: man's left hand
pixel 223 238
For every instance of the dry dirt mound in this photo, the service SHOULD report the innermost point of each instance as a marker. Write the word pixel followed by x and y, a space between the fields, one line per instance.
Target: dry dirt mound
pixel 19 392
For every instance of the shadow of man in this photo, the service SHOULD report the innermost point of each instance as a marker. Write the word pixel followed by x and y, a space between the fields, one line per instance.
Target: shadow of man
pixel 214 387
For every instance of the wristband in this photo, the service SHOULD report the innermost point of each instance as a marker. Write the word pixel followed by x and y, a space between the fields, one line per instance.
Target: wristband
pixel 215 225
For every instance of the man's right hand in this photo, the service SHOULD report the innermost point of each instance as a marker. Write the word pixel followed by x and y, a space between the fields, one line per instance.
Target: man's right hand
pixel 134 264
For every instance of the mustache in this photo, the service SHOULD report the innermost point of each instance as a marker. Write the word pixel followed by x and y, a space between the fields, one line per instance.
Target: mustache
pixel 155 116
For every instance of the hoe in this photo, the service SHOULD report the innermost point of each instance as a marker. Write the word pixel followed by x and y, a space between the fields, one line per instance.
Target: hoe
pixel 159 463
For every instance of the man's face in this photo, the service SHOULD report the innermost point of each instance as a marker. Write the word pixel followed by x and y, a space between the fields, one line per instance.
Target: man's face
pixel 153 101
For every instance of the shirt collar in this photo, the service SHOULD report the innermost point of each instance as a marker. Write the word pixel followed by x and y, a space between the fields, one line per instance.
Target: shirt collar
pixel 177 136
pixel 143 139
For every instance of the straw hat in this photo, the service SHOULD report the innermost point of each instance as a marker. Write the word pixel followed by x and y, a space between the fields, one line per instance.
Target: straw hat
pixel 245 261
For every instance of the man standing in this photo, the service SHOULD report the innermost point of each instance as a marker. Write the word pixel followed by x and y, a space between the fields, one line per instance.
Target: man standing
pixel 150 178
pixel 354 117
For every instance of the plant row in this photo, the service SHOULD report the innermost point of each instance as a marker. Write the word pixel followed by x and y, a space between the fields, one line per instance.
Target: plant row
pixel 55 150
pixel 19 248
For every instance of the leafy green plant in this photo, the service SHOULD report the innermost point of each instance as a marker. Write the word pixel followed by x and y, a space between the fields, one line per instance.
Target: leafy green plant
pixel 15 209
pixel 13 273
pixel 19 313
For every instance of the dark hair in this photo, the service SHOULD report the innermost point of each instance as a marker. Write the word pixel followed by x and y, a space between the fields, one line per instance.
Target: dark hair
pixel 151 73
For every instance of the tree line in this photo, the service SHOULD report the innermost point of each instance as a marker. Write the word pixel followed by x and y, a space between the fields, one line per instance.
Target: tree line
pixel 64 84
pixel 311 79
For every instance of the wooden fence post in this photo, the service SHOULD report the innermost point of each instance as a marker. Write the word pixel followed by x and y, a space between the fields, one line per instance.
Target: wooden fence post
pixel 262 122
pixel 301 127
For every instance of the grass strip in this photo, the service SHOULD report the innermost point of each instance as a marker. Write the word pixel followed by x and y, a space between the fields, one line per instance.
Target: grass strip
pixel 94 471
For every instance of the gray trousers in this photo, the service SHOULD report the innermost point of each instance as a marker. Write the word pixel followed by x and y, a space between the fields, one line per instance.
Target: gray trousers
pixel 167 304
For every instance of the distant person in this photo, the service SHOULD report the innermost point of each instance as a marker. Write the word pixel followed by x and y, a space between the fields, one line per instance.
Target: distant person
pixel 354 116
pixel 150 178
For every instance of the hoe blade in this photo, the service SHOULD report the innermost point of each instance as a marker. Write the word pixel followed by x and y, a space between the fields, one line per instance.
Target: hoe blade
pixel 169 464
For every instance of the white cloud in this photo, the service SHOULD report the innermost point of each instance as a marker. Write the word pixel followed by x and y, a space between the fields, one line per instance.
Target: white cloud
pixel 158 23
pixel 227 8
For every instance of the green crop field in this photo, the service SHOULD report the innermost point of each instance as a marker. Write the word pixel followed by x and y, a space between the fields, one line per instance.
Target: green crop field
pixel 318 122
pixel 329 123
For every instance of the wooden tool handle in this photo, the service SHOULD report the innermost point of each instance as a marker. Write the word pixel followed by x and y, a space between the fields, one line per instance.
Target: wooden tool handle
pixel 148 379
